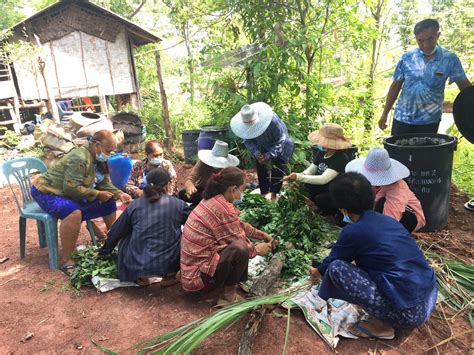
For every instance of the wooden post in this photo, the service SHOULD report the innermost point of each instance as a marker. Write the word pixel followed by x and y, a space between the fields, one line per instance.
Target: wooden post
pixel 164 106
pixel 261 286
pixel 52 107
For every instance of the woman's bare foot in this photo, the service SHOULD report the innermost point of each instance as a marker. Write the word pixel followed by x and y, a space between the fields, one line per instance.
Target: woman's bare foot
pixel 171 279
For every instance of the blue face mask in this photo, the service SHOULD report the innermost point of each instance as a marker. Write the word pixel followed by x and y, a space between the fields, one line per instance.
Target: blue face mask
pixel 238 201
pixel 156 161
pixel 102 158
pixel 347 219
pixel 321 148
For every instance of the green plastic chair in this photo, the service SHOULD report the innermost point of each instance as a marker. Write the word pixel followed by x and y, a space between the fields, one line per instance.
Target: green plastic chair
pixel 21 169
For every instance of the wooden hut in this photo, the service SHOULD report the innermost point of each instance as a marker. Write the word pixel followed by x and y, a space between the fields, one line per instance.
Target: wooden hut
pixel 86 52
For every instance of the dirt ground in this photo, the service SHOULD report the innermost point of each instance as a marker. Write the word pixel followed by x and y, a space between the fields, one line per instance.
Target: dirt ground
pixel 40 313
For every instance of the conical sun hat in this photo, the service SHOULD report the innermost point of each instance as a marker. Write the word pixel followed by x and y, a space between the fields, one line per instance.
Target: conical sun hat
pixel 252 120
pixel 331 136
pixel 218 156
pixel 379 168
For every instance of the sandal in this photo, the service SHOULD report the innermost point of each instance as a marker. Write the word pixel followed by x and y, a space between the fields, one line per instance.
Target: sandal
pixel 363 332
pixel 469 205
pixel 68 269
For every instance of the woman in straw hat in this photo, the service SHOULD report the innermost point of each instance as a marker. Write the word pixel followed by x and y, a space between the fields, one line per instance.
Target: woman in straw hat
pixel 210 161
pixel 148 233
pixel 329 162
pixel 375 264
pixel 393 197
pixel 266 137
pixel 215 247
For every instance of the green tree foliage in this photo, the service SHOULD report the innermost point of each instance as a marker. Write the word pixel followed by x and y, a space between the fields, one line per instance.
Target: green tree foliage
pixel 11 13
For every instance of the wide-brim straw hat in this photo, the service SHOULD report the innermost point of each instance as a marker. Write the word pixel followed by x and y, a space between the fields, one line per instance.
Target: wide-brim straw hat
pixel 218 156
pixel 379 168
pixel 252 120
pixel 330 136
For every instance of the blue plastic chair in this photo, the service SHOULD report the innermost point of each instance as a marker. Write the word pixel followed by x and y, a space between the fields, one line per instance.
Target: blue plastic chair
pixel 21 169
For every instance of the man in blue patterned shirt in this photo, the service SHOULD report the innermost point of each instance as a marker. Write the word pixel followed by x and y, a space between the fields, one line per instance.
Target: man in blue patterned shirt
pixel 421 76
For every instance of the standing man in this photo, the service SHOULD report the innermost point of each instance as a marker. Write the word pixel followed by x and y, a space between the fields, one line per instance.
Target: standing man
pixel 421 75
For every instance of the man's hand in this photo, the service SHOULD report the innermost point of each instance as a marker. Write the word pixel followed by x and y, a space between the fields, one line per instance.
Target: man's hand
pixel 383 121
pixel 104 196
pixel 125 198
pixel 263 249
pixel 314 275
pixel 191 190
pixel 291 177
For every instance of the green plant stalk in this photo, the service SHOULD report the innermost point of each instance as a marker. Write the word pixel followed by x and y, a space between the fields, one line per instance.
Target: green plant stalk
pixel 287 333
pixel 188 337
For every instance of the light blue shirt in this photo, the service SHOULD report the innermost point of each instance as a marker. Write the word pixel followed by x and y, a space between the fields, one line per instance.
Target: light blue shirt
pixel 422 96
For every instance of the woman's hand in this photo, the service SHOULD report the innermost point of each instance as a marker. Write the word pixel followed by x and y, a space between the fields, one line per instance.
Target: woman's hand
pixel 291 177
pixel 314 275
pixel 272 241
pixel 191 190
pixel 261 158
pixel 125 198
pixel 104 196
pixel 263 249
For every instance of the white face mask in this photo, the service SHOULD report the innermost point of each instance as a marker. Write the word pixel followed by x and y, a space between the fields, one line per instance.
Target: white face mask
pixel 432 52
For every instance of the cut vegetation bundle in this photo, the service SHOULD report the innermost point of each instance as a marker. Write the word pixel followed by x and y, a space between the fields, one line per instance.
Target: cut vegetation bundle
pixel 455 280
pixel 88 264
pixel 291 221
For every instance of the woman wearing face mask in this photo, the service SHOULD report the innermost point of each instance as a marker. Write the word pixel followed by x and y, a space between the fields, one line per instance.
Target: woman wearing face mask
pixel 154 159
pixel 215 247
pixel 329 162
pixel 375 264
pixel 78 188
pixel 148 233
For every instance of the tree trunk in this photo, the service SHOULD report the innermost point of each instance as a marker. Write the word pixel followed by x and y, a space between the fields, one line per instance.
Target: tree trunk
pixel 260 287
pixel 51 104
pixel 169 142
pixel 190 60
pixel 369 96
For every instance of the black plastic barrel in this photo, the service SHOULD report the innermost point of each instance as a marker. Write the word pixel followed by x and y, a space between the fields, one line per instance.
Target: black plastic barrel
pixel 190 145
pixel 430 167
pixel 209 134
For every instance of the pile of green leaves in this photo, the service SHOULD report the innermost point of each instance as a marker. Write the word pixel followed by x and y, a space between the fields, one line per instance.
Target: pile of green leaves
pixel 89 264
pixel 291 221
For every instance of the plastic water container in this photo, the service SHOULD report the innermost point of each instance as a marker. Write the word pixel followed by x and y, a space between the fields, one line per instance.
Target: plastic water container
pixel 120 168
pixel 209 135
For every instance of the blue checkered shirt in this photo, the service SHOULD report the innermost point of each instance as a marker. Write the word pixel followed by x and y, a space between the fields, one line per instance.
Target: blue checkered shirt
pixel 422 96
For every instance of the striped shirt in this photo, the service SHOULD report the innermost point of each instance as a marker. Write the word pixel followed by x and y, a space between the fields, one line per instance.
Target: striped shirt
pixel 148 235
pixel 211 227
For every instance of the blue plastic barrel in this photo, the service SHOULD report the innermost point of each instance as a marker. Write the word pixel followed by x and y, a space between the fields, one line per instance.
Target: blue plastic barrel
pixel 209 134
pixel 120 167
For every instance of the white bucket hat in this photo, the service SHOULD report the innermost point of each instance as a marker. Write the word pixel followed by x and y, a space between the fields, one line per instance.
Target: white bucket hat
pixel 252 120
pixel 219 156
pixel 379 168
